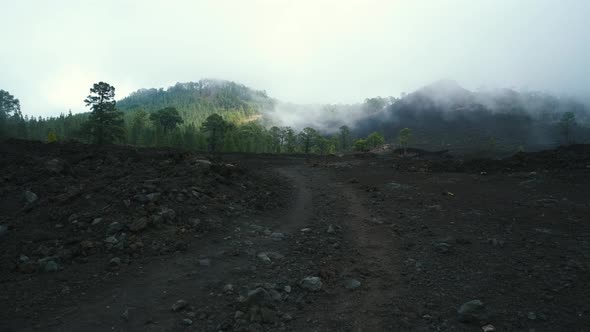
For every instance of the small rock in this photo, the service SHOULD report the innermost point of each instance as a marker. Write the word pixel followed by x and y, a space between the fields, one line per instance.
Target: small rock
pixel 111 240
pixel 312 283
pixel 229 288
pixel 73 217
pixel 54 165
pixel 179 305
pixel 531 315
pixel 275 295
pixel 277 236
pixel 305 230
pixel 96 221
pixel 264 257
pixel 205 262
pixel 287 289
pixel 442 247
pixel 23 259
pixel 258 296
pixel 115 262
pixel 472 311
pixel 238 314
pixel 125 314
pixel 50 266
pixel 331 230
pixel 352 284
pixel 30 197
pixel 187 322
pixel 286 317
pixel 488 328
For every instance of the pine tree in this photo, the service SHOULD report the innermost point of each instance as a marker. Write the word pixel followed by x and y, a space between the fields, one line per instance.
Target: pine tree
pixel 105 123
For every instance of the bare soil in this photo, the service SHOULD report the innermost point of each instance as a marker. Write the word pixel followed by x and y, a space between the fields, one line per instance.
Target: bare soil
pixel 117 236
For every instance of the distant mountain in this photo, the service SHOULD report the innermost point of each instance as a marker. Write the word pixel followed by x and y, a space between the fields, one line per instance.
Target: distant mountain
pixel 443 93
pixel 445 115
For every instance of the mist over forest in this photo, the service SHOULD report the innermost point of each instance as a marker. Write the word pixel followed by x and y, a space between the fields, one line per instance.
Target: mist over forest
pixel 295 165
pixel 441 116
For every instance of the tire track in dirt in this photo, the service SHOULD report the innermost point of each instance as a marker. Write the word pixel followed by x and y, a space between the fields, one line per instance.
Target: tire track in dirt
pixel 378 260
pixel 302 208
pixel 369 254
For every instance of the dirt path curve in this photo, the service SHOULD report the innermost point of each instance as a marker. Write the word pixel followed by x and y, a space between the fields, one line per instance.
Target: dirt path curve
pixel 367 254
pixel 140 299
pixel 379 257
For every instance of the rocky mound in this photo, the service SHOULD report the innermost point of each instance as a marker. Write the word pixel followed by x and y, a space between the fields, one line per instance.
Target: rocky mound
pixel 66 204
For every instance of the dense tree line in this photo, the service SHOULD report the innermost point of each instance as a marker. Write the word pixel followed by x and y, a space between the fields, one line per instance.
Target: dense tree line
pixel 221 116
pixel 446 116
pixel 227 128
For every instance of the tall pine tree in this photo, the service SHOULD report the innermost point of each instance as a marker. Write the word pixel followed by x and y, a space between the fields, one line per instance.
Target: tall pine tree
pixel 105 123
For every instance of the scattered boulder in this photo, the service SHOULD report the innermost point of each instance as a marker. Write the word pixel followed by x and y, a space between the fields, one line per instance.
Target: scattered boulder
pixel 111 240
pixel 96 221
pixel 331 230
pixel 259 297
pixel 55 165
pixel 187 322
pixel 115 262
pixel 179 305
pixel 352 284
pixel 205 262
pixel 277 236
pixel 312 283
pixel 30 197
pixel 442 247
pixel 488 328
pixel 264 257
pixel 48 264
pixel 473 311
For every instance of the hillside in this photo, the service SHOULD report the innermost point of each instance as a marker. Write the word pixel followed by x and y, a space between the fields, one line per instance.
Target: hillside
pixel 195 101
pixel 444 115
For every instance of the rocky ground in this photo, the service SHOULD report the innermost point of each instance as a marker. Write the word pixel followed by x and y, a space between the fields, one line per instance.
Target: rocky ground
pixel 121 239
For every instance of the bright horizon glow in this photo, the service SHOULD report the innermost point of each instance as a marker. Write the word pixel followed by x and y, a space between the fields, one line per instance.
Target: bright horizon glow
pixel 306 51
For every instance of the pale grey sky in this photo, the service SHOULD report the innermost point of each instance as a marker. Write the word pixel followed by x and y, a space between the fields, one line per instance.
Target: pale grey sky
pixel 303 51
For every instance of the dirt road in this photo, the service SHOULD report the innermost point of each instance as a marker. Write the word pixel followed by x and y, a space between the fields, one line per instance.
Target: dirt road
pixel 351 245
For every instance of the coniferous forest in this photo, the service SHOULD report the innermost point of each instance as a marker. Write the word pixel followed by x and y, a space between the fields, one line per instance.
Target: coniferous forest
pixel 222 116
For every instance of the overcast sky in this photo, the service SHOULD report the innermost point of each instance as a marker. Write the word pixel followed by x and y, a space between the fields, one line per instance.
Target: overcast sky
pixel 303 51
